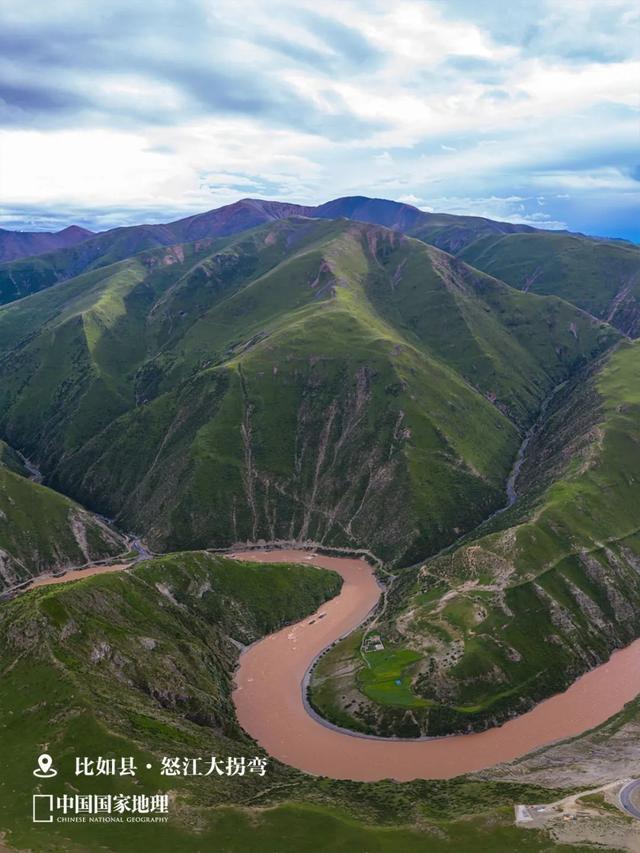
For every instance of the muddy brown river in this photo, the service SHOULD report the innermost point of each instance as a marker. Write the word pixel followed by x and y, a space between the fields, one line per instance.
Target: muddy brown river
pixel 269 700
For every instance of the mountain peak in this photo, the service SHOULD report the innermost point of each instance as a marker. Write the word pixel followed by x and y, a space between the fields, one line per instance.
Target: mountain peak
pixel 75 231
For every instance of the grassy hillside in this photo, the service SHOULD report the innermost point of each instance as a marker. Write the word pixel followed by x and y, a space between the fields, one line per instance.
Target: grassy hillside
pixel 310 380
pixel 29 275
pixel 139 664
pixel 530 600
pixel 601 276
pixel 11 460
pixel 21 276
pixel 41 530
pixel 60 259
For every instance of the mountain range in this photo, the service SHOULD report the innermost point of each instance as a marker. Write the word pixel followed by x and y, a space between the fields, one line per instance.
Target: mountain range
pixel 288 382
pixel 21 244
pixel 458 396
pixel 600 276
pixel 359 375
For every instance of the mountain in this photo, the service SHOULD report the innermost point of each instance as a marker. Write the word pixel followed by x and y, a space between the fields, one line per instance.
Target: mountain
pixel 599 276
pixel 534 597
pixel 21 244
pixel 267 372
pixel 311 379
pixel 444 230
pixel 30 275
pixel 43 531
pixel 232 218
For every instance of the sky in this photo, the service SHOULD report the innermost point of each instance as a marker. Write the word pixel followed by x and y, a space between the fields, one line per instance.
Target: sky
pixel 116 112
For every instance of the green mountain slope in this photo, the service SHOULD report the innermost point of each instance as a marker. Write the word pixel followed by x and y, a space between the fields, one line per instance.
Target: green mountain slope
pixel 11 460
pixel 534 597
pixel 22 277
pixel 302 381
pixel 29 275
pixel 600 276
pixel 42 531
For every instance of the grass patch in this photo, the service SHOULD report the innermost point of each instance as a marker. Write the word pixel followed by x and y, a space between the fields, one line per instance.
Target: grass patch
pixel 387 676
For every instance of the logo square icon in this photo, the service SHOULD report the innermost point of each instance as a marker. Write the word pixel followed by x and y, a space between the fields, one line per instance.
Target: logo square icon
pixel 42 808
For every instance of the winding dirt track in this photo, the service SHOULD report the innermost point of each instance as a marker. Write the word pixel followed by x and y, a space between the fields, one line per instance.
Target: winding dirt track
pixel 269 698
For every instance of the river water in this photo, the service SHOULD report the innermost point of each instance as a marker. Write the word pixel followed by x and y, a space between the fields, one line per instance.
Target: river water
pixel 269 700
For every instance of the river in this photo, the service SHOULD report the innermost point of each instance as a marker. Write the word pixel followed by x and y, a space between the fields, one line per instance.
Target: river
pixel 269 700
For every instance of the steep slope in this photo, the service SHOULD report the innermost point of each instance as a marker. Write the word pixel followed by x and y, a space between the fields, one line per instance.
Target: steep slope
pixel 21 244
pixel 42 531
pixel 12 461
pixel 444 230
pixel 309 380
pixel 534 597
pixel 601 276
pixel 31 275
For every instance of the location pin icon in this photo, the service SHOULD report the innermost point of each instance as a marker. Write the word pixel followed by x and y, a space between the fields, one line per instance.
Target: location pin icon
pixel 45 766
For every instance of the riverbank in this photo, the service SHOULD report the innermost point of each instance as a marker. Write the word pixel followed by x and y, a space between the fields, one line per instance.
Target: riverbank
pixel 269 699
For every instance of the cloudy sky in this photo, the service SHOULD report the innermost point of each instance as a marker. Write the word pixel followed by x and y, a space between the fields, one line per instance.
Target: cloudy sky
pixel 120 111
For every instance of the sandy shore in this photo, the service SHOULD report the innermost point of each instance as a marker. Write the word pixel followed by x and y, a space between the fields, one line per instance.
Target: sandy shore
pixel 76 574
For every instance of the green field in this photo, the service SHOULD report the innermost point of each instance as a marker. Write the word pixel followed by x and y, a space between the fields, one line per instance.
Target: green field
pixel 386 677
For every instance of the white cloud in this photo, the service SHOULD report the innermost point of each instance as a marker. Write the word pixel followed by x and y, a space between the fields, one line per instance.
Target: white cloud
pixel 68 166
pixel 291 100
pixel 415 32
pixel 587 180
pixel 503 208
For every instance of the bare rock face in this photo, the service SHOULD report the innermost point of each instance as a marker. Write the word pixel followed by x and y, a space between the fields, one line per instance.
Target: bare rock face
pixel 101 651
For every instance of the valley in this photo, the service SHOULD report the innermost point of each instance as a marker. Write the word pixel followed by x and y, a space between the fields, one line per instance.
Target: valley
pixel 560 564
pixel 189 614
pixel 353 377
pixel 41 530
